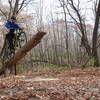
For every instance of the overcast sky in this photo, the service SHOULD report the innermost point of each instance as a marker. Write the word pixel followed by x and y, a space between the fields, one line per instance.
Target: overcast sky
pixel 86 8
pixel 52 5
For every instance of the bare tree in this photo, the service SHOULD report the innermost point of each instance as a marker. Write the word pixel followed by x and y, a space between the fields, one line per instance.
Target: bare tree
pixel 95 34
pixel 62 3
pixel 13 7
pixel 80 22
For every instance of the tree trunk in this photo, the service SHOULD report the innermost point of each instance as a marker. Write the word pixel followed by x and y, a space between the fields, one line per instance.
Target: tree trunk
pixel 16 8
pixel 95 35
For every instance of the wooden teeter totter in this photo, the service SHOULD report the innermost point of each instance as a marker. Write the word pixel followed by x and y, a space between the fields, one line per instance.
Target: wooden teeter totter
pixel 22 51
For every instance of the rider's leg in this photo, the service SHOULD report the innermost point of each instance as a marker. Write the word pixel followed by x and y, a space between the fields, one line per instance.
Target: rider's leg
pixel 12 44
pixel 8 37
pixel 12 36
pixel 10 40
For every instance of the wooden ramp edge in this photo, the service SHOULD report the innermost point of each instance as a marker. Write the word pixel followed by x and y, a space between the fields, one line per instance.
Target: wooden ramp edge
pixel 23 51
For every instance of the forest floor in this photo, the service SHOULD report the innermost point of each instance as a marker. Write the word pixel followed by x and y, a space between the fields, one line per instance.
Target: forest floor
pixel 75 84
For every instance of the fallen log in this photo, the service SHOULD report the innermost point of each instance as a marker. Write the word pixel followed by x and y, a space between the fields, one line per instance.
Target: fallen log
pixel 23 51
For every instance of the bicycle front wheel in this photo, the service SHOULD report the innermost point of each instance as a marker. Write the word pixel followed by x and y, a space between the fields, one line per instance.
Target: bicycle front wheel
pixel 22 39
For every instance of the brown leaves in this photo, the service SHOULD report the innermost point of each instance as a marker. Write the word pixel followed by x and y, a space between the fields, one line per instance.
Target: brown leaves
pixel 75 84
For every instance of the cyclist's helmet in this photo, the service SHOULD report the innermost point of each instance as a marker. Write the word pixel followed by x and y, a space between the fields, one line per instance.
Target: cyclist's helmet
pixel 13 17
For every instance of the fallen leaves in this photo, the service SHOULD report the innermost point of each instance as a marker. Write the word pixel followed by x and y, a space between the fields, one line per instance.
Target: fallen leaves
pixel 73 84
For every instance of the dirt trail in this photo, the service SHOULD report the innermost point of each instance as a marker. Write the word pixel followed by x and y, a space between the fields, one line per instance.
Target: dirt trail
pixel 31 79
pixel 73 84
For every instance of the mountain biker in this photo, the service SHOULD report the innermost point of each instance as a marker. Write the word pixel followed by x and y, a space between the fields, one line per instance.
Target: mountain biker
pixel 11 26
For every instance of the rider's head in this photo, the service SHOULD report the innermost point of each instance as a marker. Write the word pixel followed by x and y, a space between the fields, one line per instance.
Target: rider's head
pixel 13 18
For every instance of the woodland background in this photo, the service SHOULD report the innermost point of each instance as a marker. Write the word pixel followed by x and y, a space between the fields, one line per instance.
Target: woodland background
pixel 72 27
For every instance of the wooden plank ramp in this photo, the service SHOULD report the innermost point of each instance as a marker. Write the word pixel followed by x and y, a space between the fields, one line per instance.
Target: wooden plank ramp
pixel 23 51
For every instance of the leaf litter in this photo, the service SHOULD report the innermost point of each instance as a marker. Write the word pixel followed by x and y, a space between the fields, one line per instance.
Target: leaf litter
pixel 75 84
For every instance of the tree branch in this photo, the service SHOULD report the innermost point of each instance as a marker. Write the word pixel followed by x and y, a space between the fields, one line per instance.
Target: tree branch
pixel 3 13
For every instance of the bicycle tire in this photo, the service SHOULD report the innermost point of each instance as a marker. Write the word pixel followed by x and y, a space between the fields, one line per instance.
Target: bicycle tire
pixel 22 39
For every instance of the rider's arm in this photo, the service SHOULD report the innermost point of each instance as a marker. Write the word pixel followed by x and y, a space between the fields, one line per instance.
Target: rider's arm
pixel 18 27
pixel 7 25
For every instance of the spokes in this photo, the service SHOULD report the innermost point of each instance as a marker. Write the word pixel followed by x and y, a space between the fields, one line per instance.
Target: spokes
pixel 22 39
